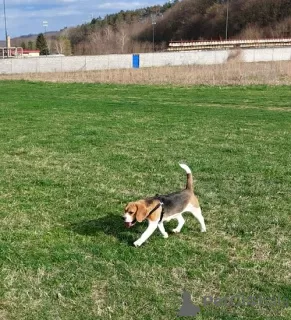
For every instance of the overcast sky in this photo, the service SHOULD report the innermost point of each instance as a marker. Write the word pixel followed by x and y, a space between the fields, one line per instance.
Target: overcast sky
pixel 27 16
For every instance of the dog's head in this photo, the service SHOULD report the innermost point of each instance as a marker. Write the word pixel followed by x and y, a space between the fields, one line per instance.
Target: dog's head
pixel 134 212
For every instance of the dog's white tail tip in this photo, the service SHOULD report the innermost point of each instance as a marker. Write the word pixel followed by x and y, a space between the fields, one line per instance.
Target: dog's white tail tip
pixel 185 167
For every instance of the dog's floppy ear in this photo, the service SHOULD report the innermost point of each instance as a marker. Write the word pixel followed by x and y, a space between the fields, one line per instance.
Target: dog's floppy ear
pixel 141 212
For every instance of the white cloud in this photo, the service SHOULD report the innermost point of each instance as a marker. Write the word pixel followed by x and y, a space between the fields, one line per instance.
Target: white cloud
pixel 120 5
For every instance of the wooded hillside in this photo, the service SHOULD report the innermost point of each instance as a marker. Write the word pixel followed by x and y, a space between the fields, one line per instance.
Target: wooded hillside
pixel 133 31
pixel 206 19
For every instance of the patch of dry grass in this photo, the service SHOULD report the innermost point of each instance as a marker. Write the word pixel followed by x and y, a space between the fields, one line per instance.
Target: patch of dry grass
pixel 231 73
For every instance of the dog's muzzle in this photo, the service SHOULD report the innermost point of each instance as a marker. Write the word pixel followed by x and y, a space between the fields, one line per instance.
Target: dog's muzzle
pixel 130 224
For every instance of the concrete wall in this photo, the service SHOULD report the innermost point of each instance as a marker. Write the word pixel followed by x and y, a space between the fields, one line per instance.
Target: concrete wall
pixel 65 64
pixel 183 58
pixel 213 57
pixel 268 54
pixel 86 63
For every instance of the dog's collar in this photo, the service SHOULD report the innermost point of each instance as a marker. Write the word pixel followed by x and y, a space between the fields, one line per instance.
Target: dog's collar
pixel 160 204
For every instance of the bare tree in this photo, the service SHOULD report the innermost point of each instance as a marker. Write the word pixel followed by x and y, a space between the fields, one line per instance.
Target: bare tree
pixel 122 38
pixel 62 45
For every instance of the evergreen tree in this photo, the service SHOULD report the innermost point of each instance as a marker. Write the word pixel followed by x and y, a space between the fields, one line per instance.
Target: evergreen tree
pixel 30 45
pixel 41 44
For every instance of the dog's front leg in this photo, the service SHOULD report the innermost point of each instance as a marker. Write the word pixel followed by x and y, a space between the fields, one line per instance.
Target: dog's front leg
pixel 149 231
pixel 162 229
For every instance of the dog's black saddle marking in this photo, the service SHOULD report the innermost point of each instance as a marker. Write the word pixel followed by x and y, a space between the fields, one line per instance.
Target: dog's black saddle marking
pixel 173 202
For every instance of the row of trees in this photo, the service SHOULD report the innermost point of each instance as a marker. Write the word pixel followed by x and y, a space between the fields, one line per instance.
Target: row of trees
pixel 54 44
pixel 132 31
pixel 117 33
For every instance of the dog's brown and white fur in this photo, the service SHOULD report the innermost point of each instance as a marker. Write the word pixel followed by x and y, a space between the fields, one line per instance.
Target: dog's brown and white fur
pixel 161 208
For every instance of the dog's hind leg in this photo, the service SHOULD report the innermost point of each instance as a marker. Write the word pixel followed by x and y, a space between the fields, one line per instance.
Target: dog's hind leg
pixel 197 213
pixel 181 222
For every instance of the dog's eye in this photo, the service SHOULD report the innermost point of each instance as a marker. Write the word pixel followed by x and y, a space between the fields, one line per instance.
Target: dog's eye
pixel 130 212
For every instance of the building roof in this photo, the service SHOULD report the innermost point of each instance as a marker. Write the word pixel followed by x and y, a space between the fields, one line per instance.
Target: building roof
pixel 32 51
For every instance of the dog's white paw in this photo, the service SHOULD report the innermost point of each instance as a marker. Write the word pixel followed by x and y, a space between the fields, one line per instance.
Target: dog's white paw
pixel 137 243
pixel 166 235
pixel 203 230
pixel 176 230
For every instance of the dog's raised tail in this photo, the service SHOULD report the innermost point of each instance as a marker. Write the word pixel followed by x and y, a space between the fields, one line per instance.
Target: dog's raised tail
pixel 189 184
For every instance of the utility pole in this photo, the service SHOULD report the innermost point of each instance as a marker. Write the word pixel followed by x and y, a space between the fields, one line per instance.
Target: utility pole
pixel 226 25
pixel 153 24
pixel 6 35
pixel 45 25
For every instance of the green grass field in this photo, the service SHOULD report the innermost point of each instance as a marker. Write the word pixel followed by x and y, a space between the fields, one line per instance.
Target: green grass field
pixel 72 155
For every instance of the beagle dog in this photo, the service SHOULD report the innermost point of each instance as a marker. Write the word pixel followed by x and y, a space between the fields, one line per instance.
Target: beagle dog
pixel 162 208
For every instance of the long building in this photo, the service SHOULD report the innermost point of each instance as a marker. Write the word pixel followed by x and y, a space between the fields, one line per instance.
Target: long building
pixel 227 44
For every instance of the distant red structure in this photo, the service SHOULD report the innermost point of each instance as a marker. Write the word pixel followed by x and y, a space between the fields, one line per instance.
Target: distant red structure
pixel 31 53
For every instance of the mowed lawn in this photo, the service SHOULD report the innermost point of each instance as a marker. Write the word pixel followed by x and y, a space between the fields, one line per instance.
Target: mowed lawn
pixel 73 155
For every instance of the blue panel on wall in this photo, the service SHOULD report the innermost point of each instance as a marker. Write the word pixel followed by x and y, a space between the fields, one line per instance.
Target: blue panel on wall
pixel 135 61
